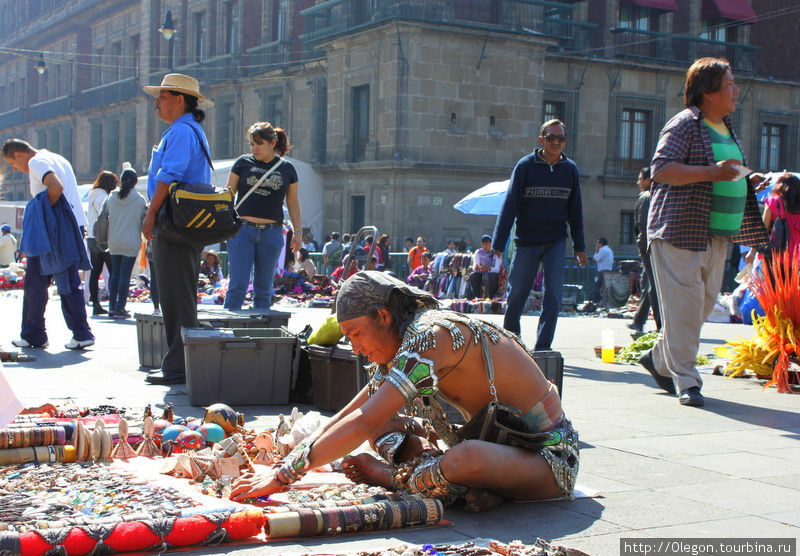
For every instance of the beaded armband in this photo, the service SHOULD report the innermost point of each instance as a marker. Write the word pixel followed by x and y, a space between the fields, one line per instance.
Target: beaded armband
pixel 295 468
pixel 414 376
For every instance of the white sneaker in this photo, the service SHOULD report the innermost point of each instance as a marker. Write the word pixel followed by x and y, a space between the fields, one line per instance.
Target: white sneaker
pixel 26 344
pixel 75 344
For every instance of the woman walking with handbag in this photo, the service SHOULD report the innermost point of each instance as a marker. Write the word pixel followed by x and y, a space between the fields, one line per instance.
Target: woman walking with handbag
pixel 104 184
pixel 262 181
pixel 125 210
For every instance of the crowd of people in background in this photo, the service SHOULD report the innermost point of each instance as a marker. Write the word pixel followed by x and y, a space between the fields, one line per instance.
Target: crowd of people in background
pixel 543 207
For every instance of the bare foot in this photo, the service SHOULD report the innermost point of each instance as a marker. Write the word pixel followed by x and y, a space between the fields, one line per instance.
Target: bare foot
pixel 367 469
pixel 481 500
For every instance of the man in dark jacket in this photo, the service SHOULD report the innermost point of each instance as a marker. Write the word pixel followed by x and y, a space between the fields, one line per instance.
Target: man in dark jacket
pixel 544 195
pixel 649 296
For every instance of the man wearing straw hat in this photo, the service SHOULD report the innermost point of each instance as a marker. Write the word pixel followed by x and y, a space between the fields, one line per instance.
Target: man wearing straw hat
pixel 180 156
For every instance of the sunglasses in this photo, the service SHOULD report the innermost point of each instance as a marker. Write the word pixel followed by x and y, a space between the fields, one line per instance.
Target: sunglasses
pixel 559 138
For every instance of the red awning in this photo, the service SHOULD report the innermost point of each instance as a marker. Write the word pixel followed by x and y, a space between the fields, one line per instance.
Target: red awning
pixel 736 10
pixel 666 5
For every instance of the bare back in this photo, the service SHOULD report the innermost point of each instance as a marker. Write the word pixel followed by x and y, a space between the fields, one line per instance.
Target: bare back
pixel 463 379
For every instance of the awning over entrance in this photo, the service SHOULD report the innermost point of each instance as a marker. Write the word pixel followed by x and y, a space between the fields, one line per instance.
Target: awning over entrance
pixel 736 10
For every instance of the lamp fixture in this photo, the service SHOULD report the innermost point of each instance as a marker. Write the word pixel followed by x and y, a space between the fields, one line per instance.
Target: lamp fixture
pixel 40 66
pixel 168 27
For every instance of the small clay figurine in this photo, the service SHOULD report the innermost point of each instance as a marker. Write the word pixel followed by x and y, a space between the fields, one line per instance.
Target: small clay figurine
pixel 148 448
pixel 169 414
pixel 265 445
pixel 123 450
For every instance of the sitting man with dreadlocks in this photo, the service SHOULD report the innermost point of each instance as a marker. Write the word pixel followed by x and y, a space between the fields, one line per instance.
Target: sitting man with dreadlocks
pixel 517 442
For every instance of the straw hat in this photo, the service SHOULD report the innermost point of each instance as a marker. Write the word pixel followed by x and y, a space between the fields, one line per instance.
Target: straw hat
pixel 181 84
pixel 213 253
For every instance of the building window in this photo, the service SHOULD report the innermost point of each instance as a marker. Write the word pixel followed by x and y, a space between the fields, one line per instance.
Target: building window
pixel 231 22
pixel 639 18
pixel 360 127
pixel 278 19
pixel 41 139
pixel 357 211
pixel 626 224
pixel 66 141
pixel 272 107
pixel 198 28
pixel 552 110
pixel 777 140
pixel 134 51
pixel 633 133
pixel 116 60
pixel 485 11
pixel 562 105
pixel 95 147
pixel 320 122
pixel 111 159
pixel 97 68
pixel 719 30
pixel 129 142
pixel 224 136
pixel 54 140
pixel 772 141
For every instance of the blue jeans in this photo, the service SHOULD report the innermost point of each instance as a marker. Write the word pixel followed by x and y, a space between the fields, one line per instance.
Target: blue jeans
pixel 257 249
pixel 523 274
pixel 119 282
pixel 34 302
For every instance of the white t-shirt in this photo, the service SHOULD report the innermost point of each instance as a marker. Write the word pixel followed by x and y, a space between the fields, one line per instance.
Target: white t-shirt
pixel 45 162
pixel 604 257
pixel 8 245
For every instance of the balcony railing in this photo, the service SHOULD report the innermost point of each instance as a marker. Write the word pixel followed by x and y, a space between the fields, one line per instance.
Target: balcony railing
pixel 668 48
pixel 51 108
pixel 624 167
pixel 12 118
pixel 267 56
pixel 221 68
pixel 111 92
pixel 543 18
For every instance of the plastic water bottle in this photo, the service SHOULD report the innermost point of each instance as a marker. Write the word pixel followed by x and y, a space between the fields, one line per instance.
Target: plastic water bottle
pixel 607 346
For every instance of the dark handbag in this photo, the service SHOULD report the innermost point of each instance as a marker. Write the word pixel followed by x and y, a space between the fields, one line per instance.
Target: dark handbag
pixel 779 236
pixel 198 214
pixel 502 424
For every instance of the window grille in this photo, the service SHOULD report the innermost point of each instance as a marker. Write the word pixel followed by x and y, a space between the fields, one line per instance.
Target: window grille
pixel 778 141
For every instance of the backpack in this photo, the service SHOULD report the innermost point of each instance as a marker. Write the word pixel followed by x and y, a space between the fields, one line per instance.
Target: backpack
pixel 335 257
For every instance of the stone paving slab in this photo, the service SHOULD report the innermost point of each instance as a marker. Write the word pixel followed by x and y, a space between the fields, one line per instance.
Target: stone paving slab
pixel 728 469
pixel 741 495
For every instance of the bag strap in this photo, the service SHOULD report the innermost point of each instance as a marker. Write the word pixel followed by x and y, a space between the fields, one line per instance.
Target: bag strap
pixel 783 209
pixel 258 183
pixel 489 362
pixel 202 145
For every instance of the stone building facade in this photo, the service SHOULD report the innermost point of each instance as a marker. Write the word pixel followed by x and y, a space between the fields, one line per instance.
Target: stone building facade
pixel 403 106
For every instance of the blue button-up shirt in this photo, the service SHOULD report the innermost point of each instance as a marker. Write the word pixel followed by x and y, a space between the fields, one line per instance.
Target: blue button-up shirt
pixel 179 155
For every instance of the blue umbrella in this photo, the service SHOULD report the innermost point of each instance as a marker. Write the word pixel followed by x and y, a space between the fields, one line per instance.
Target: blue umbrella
pixel 486 200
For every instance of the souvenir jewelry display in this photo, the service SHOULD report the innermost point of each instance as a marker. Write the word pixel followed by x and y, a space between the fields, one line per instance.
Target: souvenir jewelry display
pixel 77 493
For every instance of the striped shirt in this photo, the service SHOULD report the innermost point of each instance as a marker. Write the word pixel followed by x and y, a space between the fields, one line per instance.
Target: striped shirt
pixel 727 197
pixel 680 214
